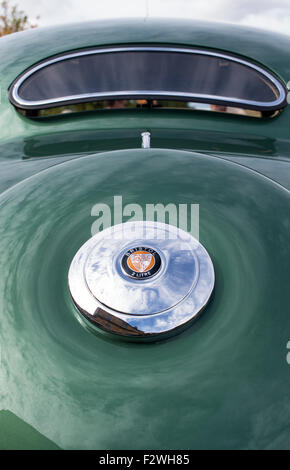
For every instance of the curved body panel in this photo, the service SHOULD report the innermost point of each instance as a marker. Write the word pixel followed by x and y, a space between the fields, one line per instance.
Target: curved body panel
pixel 224 382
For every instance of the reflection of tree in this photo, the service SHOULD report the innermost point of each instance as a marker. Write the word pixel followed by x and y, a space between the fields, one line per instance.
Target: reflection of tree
pixel 12 19
pixel 105 105
pixel 115 325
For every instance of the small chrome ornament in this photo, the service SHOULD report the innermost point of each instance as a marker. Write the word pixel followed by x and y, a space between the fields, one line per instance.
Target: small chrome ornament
pixel 146 136
pixel 141 280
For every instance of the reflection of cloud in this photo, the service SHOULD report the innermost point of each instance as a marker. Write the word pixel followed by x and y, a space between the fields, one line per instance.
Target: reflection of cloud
pixel 265 14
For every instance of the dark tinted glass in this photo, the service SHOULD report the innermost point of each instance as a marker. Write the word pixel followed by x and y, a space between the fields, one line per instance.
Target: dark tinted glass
pixel 126 72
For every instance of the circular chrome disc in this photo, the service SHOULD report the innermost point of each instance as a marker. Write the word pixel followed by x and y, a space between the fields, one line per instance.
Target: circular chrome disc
pixel 141 279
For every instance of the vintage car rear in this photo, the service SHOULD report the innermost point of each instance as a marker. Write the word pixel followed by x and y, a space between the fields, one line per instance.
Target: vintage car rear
pixel 110 124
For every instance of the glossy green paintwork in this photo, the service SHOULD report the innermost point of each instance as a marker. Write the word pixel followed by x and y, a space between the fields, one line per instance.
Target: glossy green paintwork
pixel 219 384
pixel 15 434
pixel 120 129
pixel 224 383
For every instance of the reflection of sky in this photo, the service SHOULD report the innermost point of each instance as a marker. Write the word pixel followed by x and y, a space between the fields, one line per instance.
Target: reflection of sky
pixel 184 311
pixel 107 282
pixel 199 106
pixel 123 294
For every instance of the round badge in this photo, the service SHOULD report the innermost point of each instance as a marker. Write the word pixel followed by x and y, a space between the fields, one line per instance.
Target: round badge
pixel 141 262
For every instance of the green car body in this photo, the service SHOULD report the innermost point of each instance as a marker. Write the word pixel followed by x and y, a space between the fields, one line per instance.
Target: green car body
pixel 224 382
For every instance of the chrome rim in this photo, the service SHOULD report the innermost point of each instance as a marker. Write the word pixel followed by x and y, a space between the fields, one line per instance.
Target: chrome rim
pixel 153 306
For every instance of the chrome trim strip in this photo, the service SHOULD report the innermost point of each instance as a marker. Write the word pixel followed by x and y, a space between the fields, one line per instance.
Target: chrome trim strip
pixel 127 93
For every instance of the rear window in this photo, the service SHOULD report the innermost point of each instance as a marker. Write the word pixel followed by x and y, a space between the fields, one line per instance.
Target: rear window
pixel 150 73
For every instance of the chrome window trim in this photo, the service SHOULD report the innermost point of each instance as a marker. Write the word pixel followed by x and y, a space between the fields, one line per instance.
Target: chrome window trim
pixel 18 101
